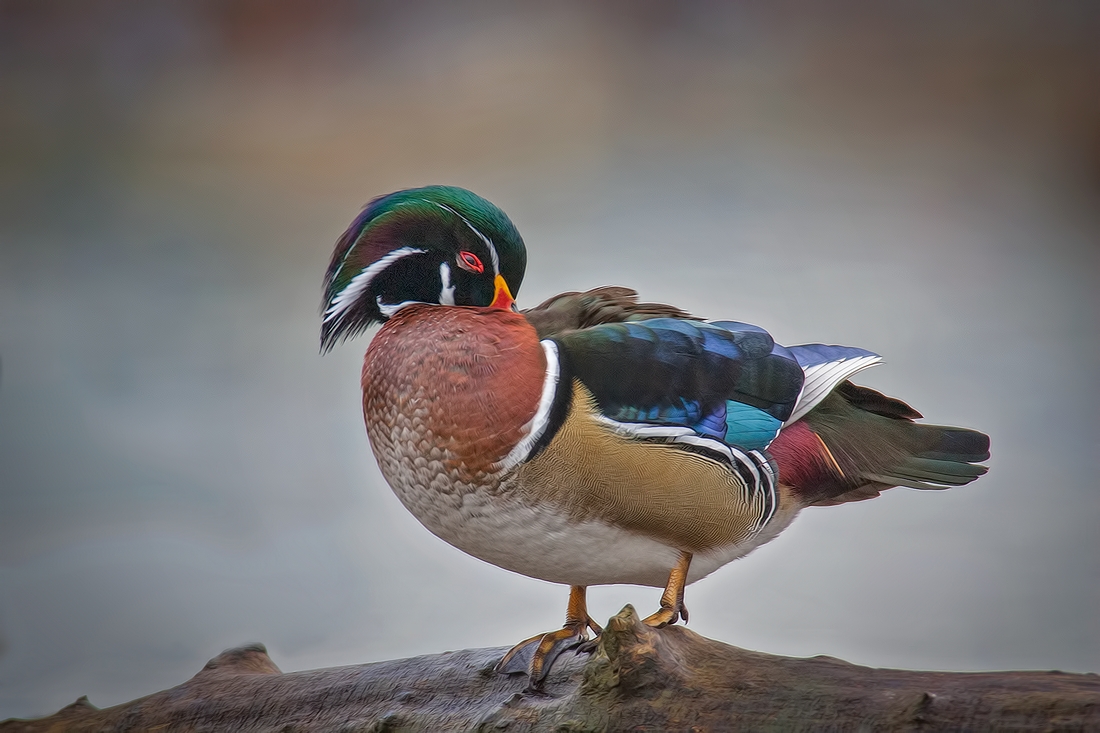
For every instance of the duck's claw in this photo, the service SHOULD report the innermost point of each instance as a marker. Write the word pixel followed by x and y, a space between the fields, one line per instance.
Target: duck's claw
pixel 535 656
pixel 665 617
pixel 590 646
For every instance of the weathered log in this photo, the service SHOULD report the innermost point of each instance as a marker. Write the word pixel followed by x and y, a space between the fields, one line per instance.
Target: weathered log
pixel 637 678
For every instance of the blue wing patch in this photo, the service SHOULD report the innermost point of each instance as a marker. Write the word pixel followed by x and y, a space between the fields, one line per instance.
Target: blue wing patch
pixel 727 381
pixel 811 355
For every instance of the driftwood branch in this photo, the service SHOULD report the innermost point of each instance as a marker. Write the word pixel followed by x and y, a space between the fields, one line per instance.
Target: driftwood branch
pixel 637 679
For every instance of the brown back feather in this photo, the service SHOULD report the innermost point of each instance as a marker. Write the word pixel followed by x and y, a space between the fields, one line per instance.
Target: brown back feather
pixel 609 304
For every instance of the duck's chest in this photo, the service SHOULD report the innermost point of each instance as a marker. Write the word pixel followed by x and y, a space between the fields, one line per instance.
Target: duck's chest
pixel 447 394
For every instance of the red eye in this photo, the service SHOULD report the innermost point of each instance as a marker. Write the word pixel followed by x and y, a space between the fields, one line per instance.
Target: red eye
pixel 470 261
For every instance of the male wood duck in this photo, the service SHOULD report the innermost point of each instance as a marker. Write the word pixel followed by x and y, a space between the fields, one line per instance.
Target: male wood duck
pixel 594 439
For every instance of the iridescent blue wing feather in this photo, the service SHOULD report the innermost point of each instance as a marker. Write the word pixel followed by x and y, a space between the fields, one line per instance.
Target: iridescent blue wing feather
pixel 725 381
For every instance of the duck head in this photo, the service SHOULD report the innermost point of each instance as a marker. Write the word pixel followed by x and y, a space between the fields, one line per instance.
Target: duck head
pixel 438 245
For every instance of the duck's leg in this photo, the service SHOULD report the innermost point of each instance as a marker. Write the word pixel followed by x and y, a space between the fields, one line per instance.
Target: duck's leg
pixel 672 600
pixel 536 655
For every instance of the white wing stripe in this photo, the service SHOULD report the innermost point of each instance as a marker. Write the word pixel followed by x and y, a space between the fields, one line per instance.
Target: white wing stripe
pixel 821 379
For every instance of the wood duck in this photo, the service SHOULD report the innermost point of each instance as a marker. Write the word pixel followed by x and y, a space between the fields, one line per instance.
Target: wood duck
pixel 594 439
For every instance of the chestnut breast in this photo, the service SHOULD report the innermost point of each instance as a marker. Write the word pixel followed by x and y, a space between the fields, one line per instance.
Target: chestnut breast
pixel 449 391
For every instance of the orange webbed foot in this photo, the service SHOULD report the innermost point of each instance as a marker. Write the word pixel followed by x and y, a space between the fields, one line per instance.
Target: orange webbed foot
pixel 672 600
pixel 535 656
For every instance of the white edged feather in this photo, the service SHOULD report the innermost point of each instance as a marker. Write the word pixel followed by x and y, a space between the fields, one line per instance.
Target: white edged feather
pixel 821 379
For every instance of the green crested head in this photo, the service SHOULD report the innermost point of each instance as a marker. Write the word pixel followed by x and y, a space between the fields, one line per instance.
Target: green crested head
pixel 438 244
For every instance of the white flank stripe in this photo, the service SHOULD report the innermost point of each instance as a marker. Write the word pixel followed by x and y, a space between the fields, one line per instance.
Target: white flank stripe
pixel 754 462
pixel 447 294
pixel 537 425
pixel 644 430
pixel 772 504
pixel 764 464
pixel 708 443
pixel 821 379
pixel 359 284
pixel 488 242
pixel 653 431
pixel 635 428
pixel 748 463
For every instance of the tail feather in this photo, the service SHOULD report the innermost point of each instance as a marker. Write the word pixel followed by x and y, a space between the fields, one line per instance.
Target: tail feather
pixel 959 444
pixel 921 473
pixel 857 442
pixel 868 399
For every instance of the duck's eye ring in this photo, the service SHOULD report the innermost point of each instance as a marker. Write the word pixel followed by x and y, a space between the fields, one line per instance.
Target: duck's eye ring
pixel 469 261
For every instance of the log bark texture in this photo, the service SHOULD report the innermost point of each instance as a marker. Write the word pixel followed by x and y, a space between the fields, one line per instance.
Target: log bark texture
pixel 637 679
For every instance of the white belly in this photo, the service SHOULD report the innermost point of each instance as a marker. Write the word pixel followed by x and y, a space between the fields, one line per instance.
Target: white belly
pixel 541 543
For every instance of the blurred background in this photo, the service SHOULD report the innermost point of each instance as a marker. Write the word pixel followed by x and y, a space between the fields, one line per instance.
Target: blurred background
pixel 181 472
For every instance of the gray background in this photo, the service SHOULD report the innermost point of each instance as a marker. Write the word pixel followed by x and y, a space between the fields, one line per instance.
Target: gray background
pixel 181 472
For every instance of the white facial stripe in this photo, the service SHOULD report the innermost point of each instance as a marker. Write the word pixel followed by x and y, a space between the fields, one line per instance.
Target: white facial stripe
pixel 537 426
pixel 389 310
pixel 359 284
pixel 447 294
pixel 488 242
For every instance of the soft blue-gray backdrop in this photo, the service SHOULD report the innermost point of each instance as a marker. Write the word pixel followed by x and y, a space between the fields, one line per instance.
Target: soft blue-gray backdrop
pixel 180 471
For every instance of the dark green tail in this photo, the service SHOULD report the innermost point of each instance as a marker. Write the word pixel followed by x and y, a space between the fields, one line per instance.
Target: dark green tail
pixel 858 442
